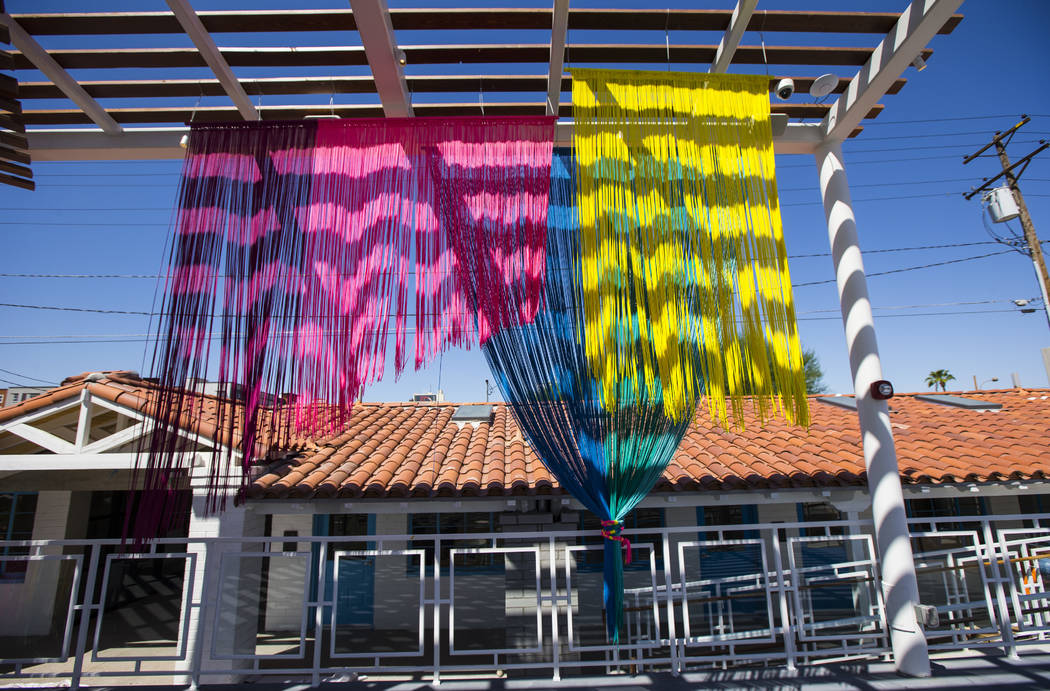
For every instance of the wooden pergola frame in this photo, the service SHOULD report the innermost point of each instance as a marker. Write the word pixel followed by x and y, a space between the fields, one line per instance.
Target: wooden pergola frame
pixel 818 128
pixel 153 130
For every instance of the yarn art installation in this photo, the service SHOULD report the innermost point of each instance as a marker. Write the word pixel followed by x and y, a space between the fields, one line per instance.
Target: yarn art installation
pixel 295 247
pixel 667 284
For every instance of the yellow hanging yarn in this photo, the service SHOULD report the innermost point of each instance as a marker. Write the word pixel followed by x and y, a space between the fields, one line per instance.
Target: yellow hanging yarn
pixel 685 277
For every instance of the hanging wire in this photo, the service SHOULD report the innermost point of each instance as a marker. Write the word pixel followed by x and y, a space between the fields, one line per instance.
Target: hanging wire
pixel 1014 240
pixel 667 37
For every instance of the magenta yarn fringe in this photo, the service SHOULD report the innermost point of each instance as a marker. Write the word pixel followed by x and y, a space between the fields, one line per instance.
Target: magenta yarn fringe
pixel 296 246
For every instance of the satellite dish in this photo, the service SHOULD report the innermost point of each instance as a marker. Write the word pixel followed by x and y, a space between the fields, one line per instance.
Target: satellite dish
pixel 823 85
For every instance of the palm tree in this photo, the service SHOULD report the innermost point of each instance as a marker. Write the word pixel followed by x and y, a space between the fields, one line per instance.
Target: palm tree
pixel 939 377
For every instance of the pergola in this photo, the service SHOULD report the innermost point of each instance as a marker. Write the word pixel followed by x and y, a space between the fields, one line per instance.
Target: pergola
pixel 394 79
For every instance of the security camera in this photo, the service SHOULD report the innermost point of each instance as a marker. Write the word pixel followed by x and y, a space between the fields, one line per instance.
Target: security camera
pixel 785 88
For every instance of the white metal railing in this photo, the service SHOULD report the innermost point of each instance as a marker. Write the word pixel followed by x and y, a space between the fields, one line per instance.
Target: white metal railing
pixel 312 608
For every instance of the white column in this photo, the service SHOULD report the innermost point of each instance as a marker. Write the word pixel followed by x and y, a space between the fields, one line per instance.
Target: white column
pixel 899 585
pixel 205 598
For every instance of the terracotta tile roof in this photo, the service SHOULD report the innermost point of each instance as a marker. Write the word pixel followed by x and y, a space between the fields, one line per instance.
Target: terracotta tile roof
pixel 125 388
pixel 417 450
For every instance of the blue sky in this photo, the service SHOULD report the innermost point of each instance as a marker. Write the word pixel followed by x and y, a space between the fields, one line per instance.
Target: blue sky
pixel 112 218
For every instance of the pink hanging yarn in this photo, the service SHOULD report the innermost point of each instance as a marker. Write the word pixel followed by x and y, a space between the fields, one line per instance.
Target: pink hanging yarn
pixel 295 248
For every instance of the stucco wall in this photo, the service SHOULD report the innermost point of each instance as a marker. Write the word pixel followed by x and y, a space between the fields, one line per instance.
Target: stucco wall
pixel 286 575
pixel 28 607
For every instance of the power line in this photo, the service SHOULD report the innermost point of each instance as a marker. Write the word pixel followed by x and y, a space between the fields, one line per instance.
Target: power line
pixel 931 135
pixel 12 382
pixel 792 256
pixel 25 376
pixel 95 208
pixel 71 224
pixel 946 195
pixel 898 249
pixel 908 307
pixel 796 285
pixel 853 162
pixel 883 184
pixel 919 314
pixel 106 175
pixel 782 189
pixel 820 311
pixel 78 309
pixel 932 146
pixel 909 268
pixel 149 339
pixel 955 119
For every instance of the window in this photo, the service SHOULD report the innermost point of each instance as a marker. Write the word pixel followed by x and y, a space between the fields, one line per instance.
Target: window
pixel 728 515
pixel 350 524
pixel 1033 504
pixel 456 524
pixel 17 511
pixel 820 512
pixel 639 518
pixel 941 507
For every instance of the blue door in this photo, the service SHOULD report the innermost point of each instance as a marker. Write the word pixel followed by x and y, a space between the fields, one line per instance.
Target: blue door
pixel 356 590
pixel 734 560
pixel 835 600
pixel 746 603
pixel 354 606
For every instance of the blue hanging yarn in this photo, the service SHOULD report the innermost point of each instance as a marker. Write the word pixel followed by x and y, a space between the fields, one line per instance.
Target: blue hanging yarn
pixel 607 460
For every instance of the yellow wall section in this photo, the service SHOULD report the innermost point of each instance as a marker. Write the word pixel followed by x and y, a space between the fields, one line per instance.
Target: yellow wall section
pixel 685 277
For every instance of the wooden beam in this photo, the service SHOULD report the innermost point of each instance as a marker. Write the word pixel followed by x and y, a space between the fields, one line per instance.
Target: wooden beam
pixel 162 143
pixel 83 421
pixel 295 112
pixel 211 55
pixel 10 105
pixel 67 461
pixel 61 406
pixel 556 67
pixel 342 56
pixel 33 52
pixel 412 19
pixel 305 56
pixel 734 32
pixel 14 141
pixel 143 144
pixel 12 123
pixel 41 438
pixel 14 155
pixel 918 24
pixel 16 169
pixel 8 86
pixel 115 440
pixel 279 86
pixel 17 182
pixel 384 58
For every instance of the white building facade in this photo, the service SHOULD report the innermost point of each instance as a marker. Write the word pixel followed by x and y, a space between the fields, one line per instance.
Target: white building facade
pixel 430 574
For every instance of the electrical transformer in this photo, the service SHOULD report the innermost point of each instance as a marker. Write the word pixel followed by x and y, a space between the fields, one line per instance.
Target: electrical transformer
pixel 1001 204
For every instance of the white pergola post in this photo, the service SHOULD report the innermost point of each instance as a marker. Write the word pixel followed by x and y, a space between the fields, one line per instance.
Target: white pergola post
pixel 900 588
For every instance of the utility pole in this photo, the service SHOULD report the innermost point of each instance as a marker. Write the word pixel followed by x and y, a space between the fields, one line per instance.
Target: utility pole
pixel 1012 173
